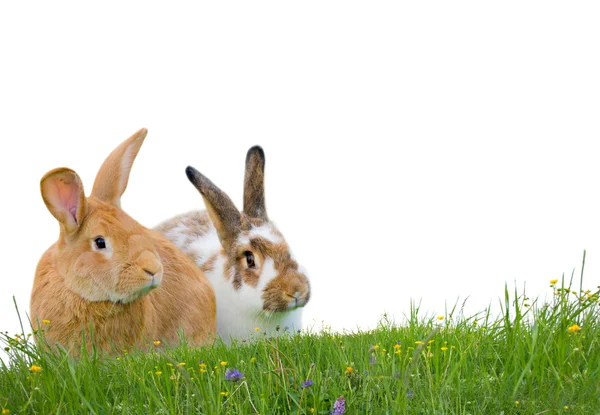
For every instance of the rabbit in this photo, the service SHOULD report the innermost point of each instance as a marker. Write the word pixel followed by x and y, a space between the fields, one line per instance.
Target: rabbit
pixel 125 284
pixel 258 283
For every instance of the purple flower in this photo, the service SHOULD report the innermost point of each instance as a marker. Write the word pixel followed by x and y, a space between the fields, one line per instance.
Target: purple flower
pixel 233 375
pixel 307 384
pixel 339 407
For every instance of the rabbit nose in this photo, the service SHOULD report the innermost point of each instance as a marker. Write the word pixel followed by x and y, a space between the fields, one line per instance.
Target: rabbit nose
pixel 301 299
pixel 152 266
pixel 296 299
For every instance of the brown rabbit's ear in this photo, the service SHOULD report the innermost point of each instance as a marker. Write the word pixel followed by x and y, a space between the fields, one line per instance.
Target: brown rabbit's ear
pixel 254 184
pixel 111 180
pixel 64 197
pixel 221 210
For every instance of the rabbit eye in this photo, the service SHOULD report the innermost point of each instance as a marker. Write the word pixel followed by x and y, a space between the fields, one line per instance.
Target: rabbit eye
pixel 250 259
pixel 100 243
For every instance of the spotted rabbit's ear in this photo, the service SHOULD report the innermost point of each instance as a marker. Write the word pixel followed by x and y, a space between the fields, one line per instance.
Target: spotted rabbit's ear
pixel 111 180
pixel 64 197
pixel 221 210
pixel 254 184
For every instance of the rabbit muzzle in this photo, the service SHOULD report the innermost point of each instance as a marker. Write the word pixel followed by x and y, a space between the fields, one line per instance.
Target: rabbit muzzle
pixel 297 292
pixel 150 265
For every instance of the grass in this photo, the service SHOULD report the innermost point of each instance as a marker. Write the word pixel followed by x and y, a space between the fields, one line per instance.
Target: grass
pixel 534 358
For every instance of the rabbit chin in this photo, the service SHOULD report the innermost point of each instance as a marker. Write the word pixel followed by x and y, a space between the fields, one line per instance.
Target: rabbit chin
pixel 127 299
pixel 282 310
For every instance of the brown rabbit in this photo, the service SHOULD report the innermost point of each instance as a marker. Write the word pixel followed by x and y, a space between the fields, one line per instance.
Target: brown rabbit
pixel 110 276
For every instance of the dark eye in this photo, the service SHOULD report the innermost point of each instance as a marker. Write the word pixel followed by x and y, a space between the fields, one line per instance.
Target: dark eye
pixel 250 259
pixel 100 243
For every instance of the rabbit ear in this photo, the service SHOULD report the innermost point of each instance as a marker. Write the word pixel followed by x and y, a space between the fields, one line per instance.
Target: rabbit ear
pixel 64 197
pixel 254 184
pixel 111 180
pixel 223 213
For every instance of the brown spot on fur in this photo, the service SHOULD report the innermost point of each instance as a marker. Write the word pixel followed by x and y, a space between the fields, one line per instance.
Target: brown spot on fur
pixel 254 184
pixel 192 224
pixel 209 265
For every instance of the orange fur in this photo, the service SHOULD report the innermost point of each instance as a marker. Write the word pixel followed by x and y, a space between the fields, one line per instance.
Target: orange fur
pixel 138 289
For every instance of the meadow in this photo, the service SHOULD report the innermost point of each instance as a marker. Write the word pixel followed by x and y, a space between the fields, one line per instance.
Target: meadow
pixel 535 357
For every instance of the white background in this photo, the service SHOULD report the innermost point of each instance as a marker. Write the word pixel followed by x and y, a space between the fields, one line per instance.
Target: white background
pixel 432 151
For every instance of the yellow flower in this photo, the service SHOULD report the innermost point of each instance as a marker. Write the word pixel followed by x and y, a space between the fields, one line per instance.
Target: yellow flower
pixel 419 342
pixel 398 351
pixel 170 364
pixel 440 317
pixel 202 365
pixel 256 329
pixel 397 346
pixel 46 321
pixel 253 360
pixel 349 370
pixel 202 370
pixel 312 410
pixel 430 341
pixel 516 402
pixel 223 363
pixel 443 349
pixel 156 342
pixel 35 368
pixel 566 408
pixel 376 347
pixel 552 282
pixel 224 393
pixel 5 411
pixel 574 328
pixel 158 373
pixel 180 364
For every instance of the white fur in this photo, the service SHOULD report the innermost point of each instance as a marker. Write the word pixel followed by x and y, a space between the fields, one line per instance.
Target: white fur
pixel 239 312
pixel 177 235
pixel 267 275
pixel 265 231
pixel 206 246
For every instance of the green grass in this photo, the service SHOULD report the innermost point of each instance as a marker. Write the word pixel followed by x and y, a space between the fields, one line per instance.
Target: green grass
pixel 524 361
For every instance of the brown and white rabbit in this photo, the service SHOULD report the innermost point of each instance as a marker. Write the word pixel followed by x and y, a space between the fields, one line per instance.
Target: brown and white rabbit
pixel 106 271
pixel 257 281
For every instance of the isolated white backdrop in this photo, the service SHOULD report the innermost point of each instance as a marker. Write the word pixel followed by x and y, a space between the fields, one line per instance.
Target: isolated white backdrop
pixel 430 151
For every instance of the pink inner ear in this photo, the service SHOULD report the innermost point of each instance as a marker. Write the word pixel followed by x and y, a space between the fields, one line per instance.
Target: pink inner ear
pixel 73 212
pixel 64 194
